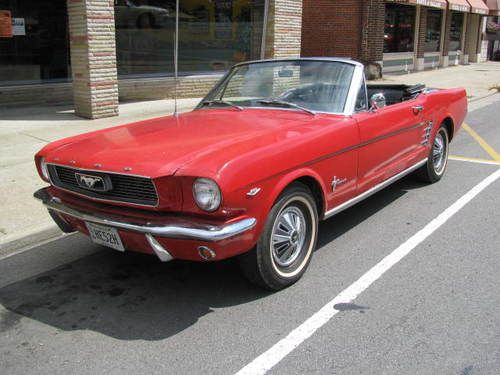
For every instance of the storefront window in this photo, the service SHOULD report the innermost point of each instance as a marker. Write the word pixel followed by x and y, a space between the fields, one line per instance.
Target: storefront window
pixel 213 35
pixel 399 28
pixel 456 27
pixel 433 32
pixel 38 48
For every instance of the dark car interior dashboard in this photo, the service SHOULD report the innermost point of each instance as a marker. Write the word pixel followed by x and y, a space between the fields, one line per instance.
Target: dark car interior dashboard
pixel 396 93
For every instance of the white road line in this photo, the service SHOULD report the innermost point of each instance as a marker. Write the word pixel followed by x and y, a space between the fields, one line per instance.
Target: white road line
pixel 280 350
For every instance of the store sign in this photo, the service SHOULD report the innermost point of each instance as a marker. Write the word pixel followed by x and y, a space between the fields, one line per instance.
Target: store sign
pixel 459 8
pixel 18 26
pixel 428 3
pixel 435 4
pixel 5 24
pixel 479 11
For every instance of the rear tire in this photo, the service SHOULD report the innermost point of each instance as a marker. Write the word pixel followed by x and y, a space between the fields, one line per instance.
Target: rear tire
pixel 287 242
pixel 437 160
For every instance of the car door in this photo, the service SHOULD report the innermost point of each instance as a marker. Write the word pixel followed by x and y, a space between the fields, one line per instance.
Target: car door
pixel 390 140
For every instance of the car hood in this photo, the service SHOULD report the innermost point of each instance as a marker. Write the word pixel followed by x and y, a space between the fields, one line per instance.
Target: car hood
pixel 202 141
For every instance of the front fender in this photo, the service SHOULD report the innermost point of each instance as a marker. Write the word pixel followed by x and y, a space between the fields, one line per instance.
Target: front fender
pixel 258 206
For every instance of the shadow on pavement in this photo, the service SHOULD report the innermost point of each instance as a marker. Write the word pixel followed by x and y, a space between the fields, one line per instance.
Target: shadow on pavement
pixel 341 223
pixel 132 296
pixel 39 113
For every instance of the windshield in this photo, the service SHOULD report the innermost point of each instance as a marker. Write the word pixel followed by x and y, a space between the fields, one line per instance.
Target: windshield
pixel 314 86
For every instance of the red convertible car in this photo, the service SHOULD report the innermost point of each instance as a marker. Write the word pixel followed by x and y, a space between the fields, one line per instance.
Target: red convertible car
pixel 276 146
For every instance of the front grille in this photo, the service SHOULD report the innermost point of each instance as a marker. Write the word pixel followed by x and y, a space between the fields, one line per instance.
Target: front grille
pixel 124 188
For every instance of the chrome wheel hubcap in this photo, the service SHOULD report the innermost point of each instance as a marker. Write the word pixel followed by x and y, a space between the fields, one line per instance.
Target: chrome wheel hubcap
pixel 439 153
pixel 288 236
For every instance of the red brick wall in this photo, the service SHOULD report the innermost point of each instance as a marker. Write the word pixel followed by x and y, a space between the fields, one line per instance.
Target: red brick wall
pixel 420 43
pixel 447 29
pixel 372 37
pixel 331 28
pixel 343 28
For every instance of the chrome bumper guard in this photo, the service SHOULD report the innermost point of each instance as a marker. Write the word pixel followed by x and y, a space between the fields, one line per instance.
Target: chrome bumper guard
pixel 200 232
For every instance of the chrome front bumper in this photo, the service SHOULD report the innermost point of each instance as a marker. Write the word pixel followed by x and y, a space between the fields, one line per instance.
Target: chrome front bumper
pixel 190 231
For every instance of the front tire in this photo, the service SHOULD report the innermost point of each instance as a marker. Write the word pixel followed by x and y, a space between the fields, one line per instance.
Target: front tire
pixel 437 160
pixel 287 242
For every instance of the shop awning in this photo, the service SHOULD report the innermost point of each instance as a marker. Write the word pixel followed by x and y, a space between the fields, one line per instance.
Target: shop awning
pixel 459 5
pixel 494 7
pixel 479 7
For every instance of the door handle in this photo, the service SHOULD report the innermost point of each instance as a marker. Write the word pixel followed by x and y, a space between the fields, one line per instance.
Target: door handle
pixel 417 109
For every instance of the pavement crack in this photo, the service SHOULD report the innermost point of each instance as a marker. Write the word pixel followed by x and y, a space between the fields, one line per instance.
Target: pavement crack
pixel 35 137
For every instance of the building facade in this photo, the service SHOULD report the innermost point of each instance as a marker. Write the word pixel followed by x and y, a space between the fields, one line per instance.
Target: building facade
pixel 400 35
pixel 96 53
pixel 492 35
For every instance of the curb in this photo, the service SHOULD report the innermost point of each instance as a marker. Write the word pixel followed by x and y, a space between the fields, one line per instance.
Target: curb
pixel 11 244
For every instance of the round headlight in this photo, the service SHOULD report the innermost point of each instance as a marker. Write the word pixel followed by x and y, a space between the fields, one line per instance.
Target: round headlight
pixel 44 169
pixel 206 194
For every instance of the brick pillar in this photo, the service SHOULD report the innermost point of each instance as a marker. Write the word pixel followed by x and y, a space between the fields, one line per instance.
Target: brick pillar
pixel 284 28
pixel 445 47
pixel 482 52
pixel 471 37
pixel 372 31
pixel 464 58
pixel 93 57
pixel 420 42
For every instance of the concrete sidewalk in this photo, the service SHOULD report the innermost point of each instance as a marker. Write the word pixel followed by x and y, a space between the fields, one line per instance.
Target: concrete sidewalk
pixel 476 78
pixel 23 131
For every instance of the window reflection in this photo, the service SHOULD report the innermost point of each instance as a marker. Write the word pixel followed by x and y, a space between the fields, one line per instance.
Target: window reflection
pixel 399 28
pixel 213 35
pixel 456 27
pixel 433 32
pixel 39 49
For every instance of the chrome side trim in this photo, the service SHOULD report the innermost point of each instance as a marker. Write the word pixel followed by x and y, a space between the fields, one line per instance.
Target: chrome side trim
pixel 159 250
pixel 373 190
pixel 192 231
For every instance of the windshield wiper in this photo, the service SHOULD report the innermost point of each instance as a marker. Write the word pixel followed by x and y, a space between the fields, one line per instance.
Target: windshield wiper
pixel 219 101
pixel 288 104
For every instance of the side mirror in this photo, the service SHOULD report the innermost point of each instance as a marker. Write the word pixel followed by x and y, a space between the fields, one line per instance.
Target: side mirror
pixel 377 101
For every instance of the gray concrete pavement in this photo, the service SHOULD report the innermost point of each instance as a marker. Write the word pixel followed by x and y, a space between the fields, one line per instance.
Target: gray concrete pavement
pixel 71 307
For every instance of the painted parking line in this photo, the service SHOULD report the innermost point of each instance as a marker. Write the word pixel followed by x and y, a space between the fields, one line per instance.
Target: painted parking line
pixel 474 160
pixel 281 349
pixel 486 147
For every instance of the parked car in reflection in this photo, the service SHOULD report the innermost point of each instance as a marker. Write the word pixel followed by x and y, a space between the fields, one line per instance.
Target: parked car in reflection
pixel 275 147
pixel 130 14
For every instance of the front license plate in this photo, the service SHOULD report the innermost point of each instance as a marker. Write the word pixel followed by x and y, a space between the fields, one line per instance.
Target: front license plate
pixel 105 236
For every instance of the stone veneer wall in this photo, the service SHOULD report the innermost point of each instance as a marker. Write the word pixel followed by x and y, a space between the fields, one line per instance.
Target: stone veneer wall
pixel 284 28
pixel 93 57
pixel 164 88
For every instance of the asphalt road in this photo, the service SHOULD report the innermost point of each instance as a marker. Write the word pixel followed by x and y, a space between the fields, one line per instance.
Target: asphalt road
pixel 68 306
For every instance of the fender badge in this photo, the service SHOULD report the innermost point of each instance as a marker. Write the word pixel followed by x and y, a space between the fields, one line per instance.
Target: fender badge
pixel 253 192
pixel 337 181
